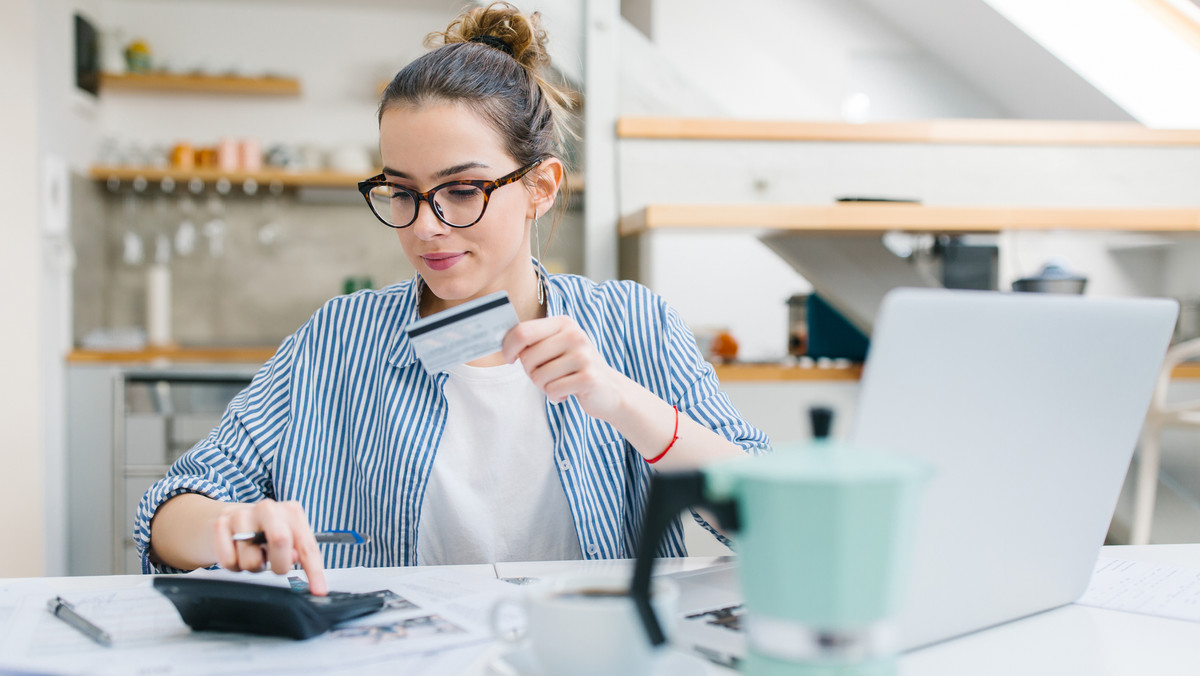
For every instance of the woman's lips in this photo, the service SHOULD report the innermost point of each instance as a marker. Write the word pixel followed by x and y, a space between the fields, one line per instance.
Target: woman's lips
pixel 441 261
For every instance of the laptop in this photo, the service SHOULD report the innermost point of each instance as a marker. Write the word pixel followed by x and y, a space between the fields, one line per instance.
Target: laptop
pixel 1028 408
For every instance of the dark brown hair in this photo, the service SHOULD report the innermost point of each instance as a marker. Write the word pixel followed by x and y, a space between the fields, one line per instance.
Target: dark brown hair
pixel 509 90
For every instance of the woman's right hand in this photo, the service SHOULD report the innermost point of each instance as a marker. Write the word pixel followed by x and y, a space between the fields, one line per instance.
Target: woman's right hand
pixel 289 536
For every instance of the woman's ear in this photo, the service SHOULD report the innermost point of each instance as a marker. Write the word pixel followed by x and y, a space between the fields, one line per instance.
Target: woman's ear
pixel 547 179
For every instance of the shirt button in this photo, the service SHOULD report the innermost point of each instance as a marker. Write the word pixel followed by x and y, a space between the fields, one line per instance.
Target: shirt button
pixel 593 549
pixel 564 465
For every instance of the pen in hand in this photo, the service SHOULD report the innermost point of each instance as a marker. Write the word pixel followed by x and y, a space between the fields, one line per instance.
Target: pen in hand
pixel 64 611
pixel 338 537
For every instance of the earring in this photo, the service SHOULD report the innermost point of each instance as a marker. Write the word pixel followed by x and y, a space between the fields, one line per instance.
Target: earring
pixel 537 273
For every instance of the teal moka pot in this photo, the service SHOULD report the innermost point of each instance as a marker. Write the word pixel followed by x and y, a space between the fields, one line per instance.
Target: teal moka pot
pixel 822 531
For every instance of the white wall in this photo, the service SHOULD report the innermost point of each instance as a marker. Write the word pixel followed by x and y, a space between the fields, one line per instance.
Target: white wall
pixel 21 457
pixel 341 53
pixel 66 126
pixel 1127 51
pixel 1008 66
pixel 801 59
pixel 67 115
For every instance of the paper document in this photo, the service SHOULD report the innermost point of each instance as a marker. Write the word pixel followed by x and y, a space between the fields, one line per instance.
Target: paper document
pixel 433 622
pixel 1145 588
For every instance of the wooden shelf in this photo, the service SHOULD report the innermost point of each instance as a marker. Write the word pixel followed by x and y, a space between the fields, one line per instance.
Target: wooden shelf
pixel 218 355
pixel 968 132
pixel 291 179
pixel 202 84
pixel 757 373
pixel 760 373
pixel 575 183
pixel 726 373
pixel 884 217
pixel 1188 369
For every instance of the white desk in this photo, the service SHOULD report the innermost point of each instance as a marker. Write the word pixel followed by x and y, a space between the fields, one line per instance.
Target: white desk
pixel 1069 640
pixel 1076 639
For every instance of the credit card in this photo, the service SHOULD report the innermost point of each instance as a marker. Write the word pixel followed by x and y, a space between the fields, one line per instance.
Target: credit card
pixel 463 333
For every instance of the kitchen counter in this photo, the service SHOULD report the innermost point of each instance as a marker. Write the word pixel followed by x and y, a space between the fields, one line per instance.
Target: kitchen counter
pixel 769 372
pixel 736 372
pixel 218 355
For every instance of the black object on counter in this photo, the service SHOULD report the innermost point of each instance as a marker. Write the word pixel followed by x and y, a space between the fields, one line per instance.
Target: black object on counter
pixel 1053 278
pixel 892 200
pixel 832 335
pixel 821 420
pixel 224 605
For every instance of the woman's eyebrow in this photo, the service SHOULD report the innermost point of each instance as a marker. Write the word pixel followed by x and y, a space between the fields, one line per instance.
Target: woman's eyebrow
pixel 459 168
pixel 449 171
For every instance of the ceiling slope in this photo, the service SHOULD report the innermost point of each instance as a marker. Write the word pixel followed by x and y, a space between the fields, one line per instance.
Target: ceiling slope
pixel 998 59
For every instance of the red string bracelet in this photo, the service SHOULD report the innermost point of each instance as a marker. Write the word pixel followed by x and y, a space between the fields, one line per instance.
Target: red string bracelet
pixel 674 438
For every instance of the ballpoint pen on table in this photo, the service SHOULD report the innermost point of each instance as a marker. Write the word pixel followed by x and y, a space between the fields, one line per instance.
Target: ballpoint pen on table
pixel 339 537
pixel 64 611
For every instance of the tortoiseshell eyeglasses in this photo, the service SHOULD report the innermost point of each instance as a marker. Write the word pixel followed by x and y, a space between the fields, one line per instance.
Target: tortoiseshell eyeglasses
pixel 458 204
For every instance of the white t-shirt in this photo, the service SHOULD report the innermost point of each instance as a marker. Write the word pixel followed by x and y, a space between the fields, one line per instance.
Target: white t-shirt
pixel 494 493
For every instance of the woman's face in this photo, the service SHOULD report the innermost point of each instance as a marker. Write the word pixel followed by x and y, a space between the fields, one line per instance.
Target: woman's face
pixel 428 145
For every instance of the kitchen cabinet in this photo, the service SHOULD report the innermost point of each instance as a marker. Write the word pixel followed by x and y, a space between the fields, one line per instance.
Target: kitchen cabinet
pixel 128 423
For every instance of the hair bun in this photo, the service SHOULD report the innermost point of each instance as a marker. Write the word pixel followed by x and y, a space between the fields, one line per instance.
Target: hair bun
pixel 500 25
pixel 493 41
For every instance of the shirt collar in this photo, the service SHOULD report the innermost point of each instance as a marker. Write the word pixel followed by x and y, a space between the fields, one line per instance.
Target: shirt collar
pixel 401 353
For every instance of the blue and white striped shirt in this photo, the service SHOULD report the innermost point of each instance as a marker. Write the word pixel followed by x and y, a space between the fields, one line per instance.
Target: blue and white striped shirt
pixel 346 421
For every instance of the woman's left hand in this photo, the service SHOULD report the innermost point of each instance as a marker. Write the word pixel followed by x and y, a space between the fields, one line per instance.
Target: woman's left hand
pixel 561 360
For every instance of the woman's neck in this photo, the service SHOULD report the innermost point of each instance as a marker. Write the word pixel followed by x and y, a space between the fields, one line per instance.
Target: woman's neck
pixel 529 299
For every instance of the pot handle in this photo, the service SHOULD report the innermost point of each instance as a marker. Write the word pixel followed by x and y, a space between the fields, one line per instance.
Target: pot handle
pixel 670 493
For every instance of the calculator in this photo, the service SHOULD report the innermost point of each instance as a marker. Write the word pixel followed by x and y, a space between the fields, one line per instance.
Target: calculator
pixel 245 607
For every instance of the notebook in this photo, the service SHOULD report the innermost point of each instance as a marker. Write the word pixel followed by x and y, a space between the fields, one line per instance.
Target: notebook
pixel 1028 407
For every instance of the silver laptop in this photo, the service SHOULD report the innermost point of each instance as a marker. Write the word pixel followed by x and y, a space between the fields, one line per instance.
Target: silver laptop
pixel 1028 407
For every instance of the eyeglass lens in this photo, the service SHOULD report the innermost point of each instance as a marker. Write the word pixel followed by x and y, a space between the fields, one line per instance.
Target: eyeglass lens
pixel 459 205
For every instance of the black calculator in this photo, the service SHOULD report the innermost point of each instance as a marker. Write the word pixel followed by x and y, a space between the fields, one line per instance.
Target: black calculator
pixel 224 605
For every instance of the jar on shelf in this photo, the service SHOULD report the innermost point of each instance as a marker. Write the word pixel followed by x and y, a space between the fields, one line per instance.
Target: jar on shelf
pixel 137 57
pixel 724 347
pixel 797 325
pixel 183 156
pixel 229 157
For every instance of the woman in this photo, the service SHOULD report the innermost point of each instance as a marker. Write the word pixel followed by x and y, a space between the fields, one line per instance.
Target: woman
pixel 540 451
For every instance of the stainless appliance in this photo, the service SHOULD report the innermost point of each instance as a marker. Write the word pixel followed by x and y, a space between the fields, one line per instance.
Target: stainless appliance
pixel 1053 278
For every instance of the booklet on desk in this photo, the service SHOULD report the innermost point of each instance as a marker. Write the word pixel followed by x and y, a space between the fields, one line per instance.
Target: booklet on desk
pixel 1145 588
pixel 128 617
pixel 428 618
pixel 206 604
